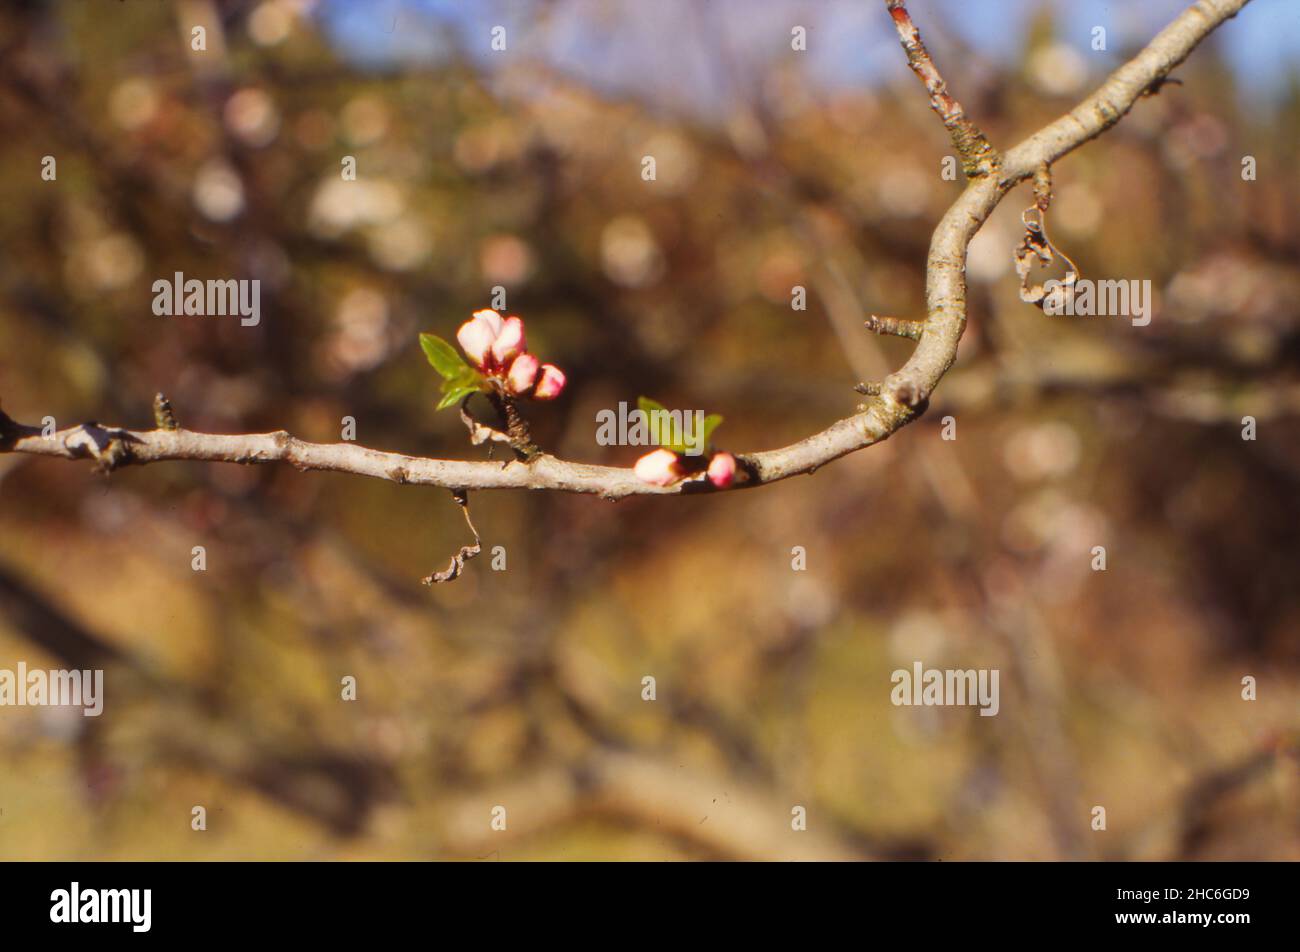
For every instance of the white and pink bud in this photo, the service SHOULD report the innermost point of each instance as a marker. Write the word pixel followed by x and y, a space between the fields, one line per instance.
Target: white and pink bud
pixel 722 470
pixel 476 335
pixel 522 374
pixel 489 317
pixel 659 468
pixel 509 342
pixel 497 347
pixel 550 384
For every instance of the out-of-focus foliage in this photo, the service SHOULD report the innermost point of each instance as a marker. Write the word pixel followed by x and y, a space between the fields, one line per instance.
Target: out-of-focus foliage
pixel 524 687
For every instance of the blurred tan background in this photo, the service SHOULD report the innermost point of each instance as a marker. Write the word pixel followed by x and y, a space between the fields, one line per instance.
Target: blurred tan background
pixel 523 687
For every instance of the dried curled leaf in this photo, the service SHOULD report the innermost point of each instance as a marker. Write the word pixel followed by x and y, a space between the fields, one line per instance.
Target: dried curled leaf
pixel 480 433
pixel 467 552
pixel 1036 247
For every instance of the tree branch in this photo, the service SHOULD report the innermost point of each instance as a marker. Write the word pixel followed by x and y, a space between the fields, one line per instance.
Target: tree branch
pixel 946 265
pixel 978 157
pixel 902 395
pixel 113 447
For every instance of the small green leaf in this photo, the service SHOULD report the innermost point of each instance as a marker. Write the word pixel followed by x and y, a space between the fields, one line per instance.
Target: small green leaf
pixel 673 439
pixel 456 394
pixel 648 406
pixel 444 358
pixel 711 423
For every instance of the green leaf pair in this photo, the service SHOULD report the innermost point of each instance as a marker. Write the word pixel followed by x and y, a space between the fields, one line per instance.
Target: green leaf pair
pixel 675 439
pixel 459 379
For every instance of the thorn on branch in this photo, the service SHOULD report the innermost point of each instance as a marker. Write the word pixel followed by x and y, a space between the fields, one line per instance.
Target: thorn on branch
pixel 1159 83
pixel 898 327
pixel 467 552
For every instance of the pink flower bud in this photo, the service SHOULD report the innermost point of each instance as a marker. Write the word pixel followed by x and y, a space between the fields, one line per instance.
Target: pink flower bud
pixel 722 470
pixel 660 468
pixel 489 317
pixel 475 337
pixel 510 342
pixel 522 374
pixel 550 384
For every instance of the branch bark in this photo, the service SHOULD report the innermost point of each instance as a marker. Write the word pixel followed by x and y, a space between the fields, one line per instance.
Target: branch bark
pixel 902 395
pixel 978 157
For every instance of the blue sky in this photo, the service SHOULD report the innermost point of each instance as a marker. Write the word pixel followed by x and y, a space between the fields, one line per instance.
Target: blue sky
pixel 670 50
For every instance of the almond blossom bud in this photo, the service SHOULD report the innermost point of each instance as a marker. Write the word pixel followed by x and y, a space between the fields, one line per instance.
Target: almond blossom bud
pixel 550 383
pixel 660 468
pixel 722 470
pixel 522 374
pixel 476 336
pixel 510 341
pixel 491 318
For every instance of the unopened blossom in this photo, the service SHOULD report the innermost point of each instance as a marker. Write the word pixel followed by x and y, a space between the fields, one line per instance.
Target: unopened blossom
pixel 722 470
pixel 509 342
pixel 550 384
pixel 496 347
pixel 659 468
pixel 477 335
pixel 491 318
pixel 522 374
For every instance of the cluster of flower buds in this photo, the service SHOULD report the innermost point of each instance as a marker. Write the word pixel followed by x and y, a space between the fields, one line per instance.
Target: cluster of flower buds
pixel 663 467
pixel 496 347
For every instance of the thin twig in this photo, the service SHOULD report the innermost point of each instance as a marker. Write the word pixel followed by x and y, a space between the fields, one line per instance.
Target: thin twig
pixel 978 157
pixel 897 326
pixel 467 552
